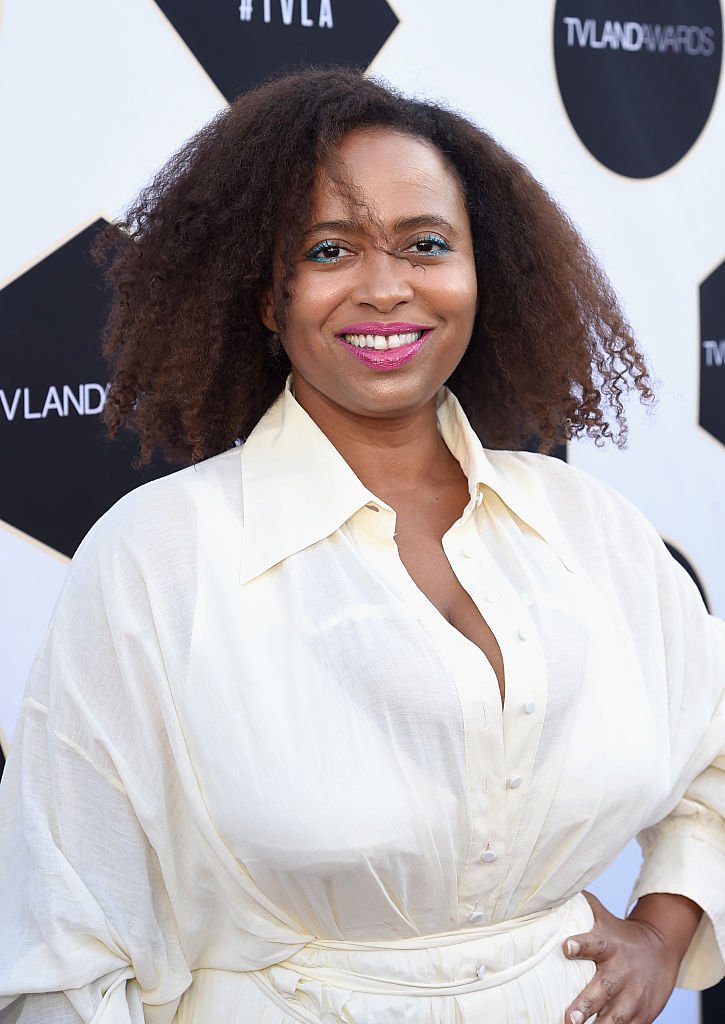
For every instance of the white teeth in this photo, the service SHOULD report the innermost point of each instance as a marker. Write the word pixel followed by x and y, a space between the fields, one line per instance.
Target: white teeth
pixel 382 341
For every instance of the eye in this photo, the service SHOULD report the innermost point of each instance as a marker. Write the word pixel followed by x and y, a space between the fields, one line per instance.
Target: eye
pixel 326 252
pixel 429 245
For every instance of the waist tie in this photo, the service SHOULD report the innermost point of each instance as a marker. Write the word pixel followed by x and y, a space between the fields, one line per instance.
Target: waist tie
pixel 442 964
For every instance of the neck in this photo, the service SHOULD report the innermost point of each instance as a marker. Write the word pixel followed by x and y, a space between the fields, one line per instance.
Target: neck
pixel 391 455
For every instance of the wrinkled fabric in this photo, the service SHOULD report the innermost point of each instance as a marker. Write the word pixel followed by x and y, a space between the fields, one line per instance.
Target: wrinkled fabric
pixel 248 733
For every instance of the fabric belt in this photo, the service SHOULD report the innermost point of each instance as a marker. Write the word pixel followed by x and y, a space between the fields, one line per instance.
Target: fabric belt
pixel 443 964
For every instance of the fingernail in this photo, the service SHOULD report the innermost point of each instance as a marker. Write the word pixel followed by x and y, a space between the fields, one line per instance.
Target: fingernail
pixel 572 948
pixel 576 1017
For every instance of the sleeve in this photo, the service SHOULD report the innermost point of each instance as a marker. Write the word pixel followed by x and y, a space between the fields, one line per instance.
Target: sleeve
pixel 88 927
pixel 684 852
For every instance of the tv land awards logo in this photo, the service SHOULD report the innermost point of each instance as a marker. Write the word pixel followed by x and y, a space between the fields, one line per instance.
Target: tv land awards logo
pixel 712 353
pixel 63 400
pixel 693 40
pixel 239 43
pixel 59 472
pixel 638 78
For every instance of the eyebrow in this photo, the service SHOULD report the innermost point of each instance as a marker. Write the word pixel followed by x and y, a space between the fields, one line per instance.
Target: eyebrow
pixel 403 224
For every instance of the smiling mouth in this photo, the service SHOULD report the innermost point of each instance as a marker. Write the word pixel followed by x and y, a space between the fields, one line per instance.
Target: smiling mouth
pixel 381 342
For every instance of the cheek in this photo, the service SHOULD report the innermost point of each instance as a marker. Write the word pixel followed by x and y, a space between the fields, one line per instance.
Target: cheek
pixel 314 299
pixel 458 296
pixel 315 296
pixel 452 284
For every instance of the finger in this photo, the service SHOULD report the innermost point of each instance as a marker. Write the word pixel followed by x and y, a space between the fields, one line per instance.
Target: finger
pixel 597 907
pixel 587 946
pixel 597 996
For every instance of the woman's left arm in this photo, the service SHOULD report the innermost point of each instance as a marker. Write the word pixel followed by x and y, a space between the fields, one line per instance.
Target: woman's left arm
pixel 675 934
pixel 637 958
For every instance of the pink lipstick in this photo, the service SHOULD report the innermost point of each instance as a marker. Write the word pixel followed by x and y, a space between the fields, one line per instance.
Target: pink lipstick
pixel 384 346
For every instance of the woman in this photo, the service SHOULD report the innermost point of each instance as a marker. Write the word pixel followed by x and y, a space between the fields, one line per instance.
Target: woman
pixel 337 726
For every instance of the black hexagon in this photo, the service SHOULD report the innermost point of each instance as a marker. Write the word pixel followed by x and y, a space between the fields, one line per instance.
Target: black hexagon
pixel 59 472
pixel 239 44
pixel 712 353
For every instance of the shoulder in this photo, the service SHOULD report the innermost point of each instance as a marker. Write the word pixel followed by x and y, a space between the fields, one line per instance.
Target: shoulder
pixel 158 523
pixel 569 489
pixel 616 546
pixel 596 519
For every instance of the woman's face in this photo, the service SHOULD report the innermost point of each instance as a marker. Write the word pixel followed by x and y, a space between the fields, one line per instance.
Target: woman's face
pixel 384 294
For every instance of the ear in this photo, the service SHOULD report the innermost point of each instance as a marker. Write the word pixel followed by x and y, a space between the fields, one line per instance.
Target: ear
pixel 266 311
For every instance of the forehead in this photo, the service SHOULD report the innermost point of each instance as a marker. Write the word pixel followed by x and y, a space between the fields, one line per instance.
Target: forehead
pixel 391 174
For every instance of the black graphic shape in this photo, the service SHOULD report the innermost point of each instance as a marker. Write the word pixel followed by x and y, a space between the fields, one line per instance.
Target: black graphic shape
pixel 638 78
pixel 713 1004
pixel 241 44
pixel 712 353
pixel 689 568
pixel 59 473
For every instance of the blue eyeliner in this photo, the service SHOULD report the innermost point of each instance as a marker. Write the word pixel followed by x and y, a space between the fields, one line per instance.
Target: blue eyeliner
pixel 445 247
pixel 316 249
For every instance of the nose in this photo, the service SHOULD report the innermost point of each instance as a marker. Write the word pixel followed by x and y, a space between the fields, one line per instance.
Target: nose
pixel 384 281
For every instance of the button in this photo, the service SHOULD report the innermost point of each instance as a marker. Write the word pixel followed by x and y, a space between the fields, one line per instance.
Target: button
pixel 476 917
pixel 372 507
pixel 481 972
pixel 515 782
pixel 467 553
pixel 492 595
pixel 523 635
pixel 479 498
pixel 488 856
pixel 529 707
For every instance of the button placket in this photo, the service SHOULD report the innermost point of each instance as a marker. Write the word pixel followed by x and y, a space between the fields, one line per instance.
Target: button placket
pixel 484 757
pixel 508 616
pixel 526 694
pixel 481 577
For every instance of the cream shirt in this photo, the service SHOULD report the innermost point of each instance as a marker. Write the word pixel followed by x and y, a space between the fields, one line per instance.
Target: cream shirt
pixel 255 765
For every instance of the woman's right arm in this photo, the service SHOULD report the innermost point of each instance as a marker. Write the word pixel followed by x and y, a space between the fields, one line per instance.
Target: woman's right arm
pixel 86 851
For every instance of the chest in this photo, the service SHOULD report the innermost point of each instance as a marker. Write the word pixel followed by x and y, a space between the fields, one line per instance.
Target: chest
pixel 332 724
pixel 419 541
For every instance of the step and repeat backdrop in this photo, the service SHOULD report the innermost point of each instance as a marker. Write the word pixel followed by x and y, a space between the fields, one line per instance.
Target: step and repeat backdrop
pixel 616 106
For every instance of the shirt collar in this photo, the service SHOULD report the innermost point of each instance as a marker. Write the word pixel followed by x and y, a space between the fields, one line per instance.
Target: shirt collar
pixel 297 488
pixel 513 476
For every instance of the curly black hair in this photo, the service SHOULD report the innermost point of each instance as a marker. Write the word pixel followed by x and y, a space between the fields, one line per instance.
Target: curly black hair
pixel 192 365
